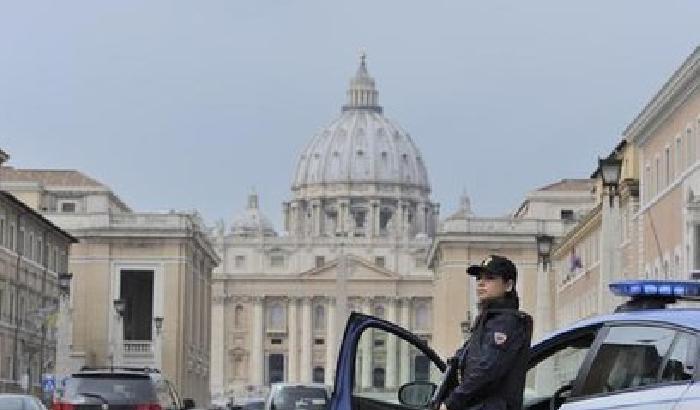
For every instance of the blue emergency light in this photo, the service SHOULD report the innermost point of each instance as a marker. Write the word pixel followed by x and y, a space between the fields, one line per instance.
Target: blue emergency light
pixel 676 289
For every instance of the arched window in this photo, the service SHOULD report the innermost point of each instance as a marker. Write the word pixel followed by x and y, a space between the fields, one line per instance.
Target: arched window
pixel 239 317
pixel 276 317
pixel 319 318
pixel 422 316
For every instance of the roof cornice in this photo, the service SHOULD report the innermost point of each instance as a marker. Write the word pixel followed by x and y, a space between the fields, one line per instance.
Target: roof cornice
pixel 684 81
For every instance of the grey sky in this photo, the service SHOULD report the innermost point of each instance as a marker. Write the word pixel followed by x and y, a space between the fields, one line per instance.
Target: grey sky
pixel 189 104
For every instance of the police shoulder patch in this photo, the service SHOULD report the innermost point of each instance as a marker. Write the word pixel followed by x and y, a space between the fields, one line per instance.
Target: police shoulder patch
pixel 499 338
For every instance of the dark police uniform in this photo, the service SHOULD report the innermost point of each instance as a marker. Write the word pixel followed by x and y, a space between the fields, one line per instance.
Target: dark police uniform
pixel 493 362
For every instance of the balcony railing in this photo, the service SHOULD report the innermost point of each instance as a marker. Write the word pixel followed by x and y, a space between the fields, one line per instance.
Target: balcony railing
pixel 138 347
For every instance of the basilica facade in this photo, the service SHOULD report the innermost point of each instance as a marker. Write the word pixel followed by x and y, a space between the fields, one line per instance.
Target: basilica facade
pixel 357 230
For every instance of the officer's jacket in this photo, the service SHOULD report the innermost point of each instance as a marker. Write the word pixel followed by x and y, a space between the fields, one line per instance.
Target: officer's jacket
pixel 493 362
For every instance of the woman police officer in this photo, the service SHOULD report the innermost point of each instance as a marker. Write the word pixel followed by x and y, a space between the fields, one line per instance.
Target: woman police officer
pixel 491 365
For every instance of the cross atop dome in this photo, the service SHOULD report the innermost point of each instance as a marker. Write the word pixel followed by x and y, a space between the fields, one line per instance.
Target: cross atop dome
pixel 362 93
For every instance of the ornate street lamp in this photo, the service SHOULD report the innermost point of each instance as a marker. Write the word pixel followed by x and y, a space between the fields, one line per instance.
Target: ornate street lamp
pixel 120 307
pixel 64 280
pixel 544 248
pixel 610 170
pixel 158 320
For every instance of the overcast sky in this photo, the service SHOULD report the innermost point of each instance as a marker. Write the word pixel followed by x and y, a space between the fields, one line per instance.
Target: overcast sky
pixel 189 104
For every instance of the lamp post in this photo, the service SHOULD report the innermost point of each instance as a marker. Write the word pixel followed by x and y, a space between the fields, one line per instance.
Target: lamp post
pixel 610 171
pixel 158 348
pixel 544 249
pixel 120 310
pixel 64 325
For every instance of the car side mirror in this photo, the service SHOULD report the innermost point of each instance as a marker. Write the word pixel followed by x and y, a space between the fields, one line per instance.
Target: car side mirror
pixel 187 404
pixel 416 394
pixel 558 397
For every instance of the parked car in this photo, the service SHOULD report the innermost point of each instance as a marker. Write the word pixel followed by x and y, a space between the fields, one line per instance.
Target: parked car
pixel 253 404
pixel 121 388
pixel 644 356
pixel 294 396
pixel 20 402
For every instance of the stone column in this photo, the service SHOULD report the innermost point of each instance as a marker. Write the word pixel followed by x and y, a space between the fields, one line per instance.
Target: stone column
pixel 306 341
pixel 391 347
pixel 331 346
pixel 404 353
pixel 218 341
pixel 367 345
pixel 287 216
pixel 400 218
pixel 293 341
pixel 257 362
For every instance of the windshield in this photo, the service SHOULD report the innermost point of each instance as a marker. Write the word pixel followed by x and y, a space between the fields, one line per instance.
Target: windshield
pixel 300 397
pixel 114 389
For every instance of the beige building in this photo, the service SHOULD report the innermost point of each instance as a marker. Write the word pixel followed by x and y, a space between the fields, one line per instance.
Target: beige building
pixel 158 264
pixel 600 249
pixel 357 230
pixel 666 134
pixel 33 252
pixel 464 239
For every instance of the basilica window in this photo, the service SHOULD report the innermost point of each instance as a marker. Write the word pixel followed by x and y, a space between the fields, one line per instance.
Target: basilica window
pixel 422 316
pixel 360 217
pixel 319 318
pixel 239 317
pixel 380 261
pixel 275 318
pixel 276 261
pixel 319 374
pixel 239 261
pixel 320 261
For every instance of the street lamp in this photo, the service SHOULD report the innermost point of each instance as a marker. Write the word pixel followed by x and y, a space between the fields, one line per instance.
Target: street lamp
pixel 64 280
pixel 610 170
pixel 544 248
pixel 158 321
pixel 119 307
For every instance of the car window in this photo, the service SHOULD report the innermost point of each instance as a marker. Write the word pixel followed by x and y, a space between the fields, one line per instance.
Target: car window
pixel 559 368
pixel 115 389
pixel 680 365
pixel 385 362
pixel 629 357
pixel 300 398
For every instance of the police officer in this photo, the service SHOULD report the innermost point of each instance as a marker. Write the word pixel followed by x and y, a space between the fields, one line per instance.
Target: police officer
pixel 493 362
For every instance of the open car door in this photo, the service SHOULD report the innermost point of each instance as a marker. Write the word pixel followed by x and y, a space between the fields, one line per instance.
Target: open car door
pixel 382 366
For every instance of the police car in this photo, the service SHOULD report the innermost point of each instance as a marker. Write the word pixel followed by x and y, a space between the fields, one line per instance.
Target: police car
pixel 643 356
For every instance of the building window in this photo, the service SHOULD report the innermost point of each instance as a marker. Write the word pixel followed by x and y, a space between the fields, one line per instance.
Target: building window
pixel 320 261
pixel 11 238
pixel 679 155
pixel 380 261
pixel 658 176
pixel 68 207
pixel 319 342
pixel 277 261
pixel 319 374
pixel 689 145
pixel 567 215
pixel 29 248
pixel 319 318
pixel 422 319
pixel 239 261
pixel 239 317
pixel 378 377
pixel 276 317
pixel 421 368
pixel 667 163
pixel 276 341
pixel 275 369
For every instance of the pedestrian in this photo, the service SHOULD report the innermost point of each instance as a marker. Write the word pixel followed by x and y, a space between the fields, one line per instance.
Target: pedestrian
pixel 491 365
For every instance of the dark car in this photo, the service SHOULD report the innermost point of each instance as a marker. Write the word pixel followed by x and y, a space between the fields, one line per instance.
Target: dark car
pixel 121 389
pixel 643 356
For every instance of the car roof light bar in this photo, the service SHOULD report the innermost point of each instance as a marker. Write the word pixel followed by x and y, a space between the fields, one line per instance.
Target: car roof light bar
pixel 654 294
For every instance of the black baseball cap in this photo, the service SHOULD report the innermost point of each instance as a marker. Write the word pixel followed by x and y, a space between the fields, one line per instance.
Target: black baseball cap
pixel 495 265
